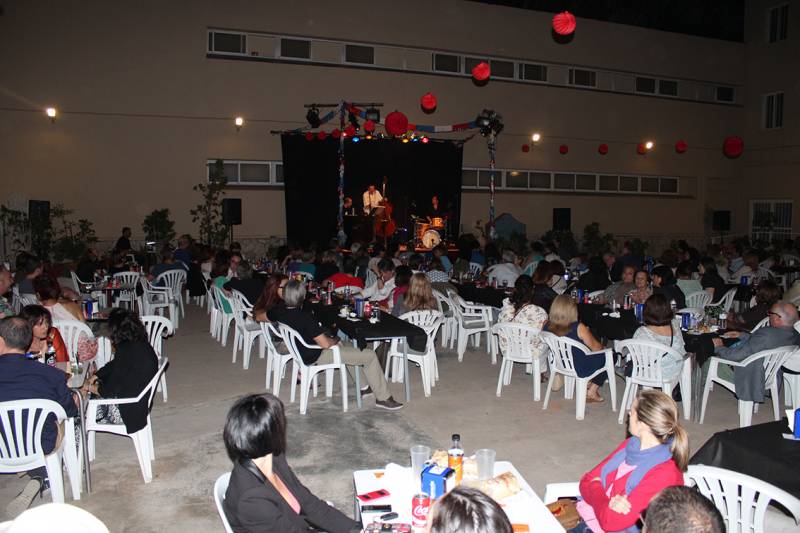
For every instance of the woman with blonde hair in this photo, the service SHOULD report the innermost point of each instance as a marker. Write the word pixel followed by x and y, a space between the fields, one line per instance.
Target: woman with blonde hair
pixel 418 297
pixel 563 322
pixel 616 491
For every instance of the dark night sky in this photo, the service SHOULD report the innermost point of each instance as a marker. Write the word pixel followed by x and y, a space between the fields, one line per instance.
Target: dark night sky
pixel 718 19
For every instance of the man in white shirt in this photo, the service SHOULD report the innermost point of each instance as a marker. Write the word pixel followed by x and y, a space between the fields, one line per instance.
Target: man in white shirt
pixel 372 199
pixel 384 285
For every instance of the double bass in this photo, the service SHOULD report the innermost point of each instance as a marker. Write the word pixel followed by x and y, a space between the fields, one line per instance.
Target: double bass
pixel 385 225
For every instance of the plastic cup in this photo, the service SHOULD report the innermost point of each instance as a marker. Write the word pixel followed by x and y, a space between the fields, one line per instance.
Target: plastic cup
pixel 484 458
pixel 419 455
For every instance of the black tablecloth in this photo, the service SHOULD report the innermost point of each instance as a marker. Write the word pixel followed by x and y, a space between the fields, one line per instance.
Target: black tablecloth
pixel 481 295
pixel 361 330
pixel 608 327
pixel 759 451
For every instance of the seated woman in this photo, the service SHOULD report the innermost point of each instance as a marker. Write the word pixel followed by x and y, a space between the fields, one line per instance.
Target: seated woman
pixel 436 272
pixel 521 309
pixel 664 283
pixel 543 294
pixel 347 277
pixel 563 322
pixel 270 296
pixel 642 290
pixel 597 278
pixel 710 279
pixel 657 317
pixel 467 510
pixel 44 334
pixel 402 281
pixel 264 495
pixel 49 293
pixel 220 276
pixel 749 268
pixel 128 373
pixel 616 491
pixel 418 297
pixel 767 294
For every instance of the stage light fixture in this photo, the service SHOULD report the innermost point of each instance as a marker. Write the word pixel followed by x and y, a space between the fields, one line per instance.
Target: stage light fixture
pixel 425 140
pixel 372 114
pixel 356 139
pixel 52 113
pixel 368 137
pixel 536 137
pixel 414 139
pixel 313 117
pixel 405 140
pixel 239 121
pixel 649 145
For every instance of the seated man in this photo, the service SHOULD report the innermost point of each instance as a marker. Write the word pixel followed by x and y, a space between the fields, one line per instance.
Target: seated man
pixel 384 285
pixel 619 289
pixel 24 379
pixel 780 332
pixel 681 509
pixel 290 312
pixel 167 263
pixel 245 283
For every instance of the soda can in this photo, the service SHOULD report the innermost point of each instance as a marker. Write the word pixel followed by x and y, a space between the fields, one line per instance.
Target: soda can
pixel 580 296
pixel 420 504
pixel 744 280
pixel 626 302
pixel 359 307
pixel 87 309
pixel 686 321
pixel 639 309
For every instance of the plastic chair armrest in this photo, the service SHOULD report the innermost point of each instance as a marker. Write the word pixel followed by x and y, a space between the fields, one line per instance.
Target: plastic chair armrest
pixel 554 491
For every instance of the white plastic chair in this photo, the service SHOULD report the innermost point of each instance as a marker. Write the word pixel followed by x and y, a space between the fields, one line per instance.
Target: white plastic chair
pixel 157 328
pixel 791 380
pixel 560 360
pixel 471 320
pixel 76 281
pixel 429 322
pixel 27 299
pixel 21 450
pixel 519 339
pixel 127 291
pixel 276 361
pixel 449 325
pixel 175 280
pixel 698 299
pixel 772 360
pixel 595 294
pixel 104 352
pixel 220 488
pixel 741 499
pixel 155 299
pixel 354 289
pixel 726 300
pixel 646 357
pixel 142 439
pixel 246 330
pixel 309 373
pixel 764 322
pixel 475 269
pixel 71 331
pixel 224 318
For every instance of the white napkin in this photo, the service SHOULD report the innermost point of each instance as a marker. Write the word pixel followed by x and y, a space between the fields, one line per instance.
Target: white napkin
pixel 790 416
pixel 397 480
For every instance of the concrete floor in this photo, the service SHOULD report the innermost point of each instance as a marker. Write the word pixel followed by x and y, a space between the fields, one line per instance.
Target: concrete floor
pixel 326 445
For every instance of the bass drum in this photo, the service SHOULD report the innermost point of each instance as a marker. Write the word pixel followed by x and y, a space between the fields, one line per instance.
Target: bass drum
pixel 431 238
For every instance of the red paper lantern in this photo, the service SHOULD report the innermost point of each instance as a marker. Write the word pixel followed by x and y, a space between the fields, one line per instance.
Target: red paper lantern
pixel 369 126
pixel 733 146
pixel 526 148
pixel 350 131
pixel 428 101
pixel 321 135
pixel 563 149
pixel 481 71
pixel 641 149
pixel 603 149
pixel 309 136
pixel 681 146
pixel 396 123
pixel 336 134
pixel 564 23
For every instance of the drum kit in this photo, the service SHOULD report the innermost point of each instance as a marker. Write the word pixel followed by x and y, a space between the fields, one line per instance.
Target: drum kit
pixel 430 234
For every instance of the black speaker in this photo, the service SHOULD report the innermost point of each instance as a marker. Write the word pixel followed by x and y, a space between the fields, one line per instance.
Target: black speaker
pixel 232 211
pixel 562 218
pixel 38 212
pixel 722 221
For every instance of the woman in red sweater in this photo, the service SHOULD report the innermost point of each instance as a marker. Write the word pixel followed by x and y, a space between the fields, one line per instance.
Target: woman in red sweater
pixel 615 492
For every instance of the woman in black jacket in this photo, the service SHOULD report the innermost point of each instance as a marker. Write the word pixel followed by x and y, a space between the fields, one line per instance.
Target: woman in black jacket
pixel 263 494
pixel 128 373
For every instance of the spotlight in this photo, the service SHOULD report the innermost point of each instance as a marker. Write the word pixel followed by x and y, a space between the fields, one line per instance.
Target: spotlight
pixel 649 145
pixel 425 140
pixel 372 114
pixel 239 121
pixel 313 117
pixel 368 137
pixel 356 139
pixel 536 137
pixel 405 139
pixel 51 112
pixel 414 139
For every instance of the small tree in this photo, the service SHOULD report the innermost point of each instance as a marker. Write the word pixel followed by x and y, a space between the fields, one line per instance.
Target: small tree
pixel 15 230
pixel 70 239
pixel 208 214
pixel 595 242
pixel 158 227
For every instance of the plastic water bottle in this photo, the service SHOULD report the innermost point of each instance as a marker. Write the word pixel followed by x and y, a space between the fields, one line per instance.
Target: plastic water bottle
pixel 455 458
pixel 673 305
pixel 50 354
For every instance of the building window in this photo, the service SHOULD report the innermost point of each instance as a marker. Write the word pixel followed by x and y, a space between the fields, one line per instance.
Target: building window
pixel 296 48
pixel 472 62
pixel 469 177
pixel 668 87
pixel 668 185
pixel 502 69
pixel 227 42
pixel 564 181
pixel 249 172
pixel 649 184
pixel 531 72
pixel 609 183
pixel 628 184
pixel 540 180
pixel 725 94
pixel 446 63
pixel 359 54
pixel 773 111
pixel 777 23
pixel 586 182
pixel 770 220
pixel 645 85
pixel 582 77
pixel 517 179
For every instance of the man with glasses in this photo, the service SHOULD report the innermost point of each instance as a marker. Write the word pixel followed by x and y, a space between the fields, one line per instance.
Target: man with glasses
pixel 780 332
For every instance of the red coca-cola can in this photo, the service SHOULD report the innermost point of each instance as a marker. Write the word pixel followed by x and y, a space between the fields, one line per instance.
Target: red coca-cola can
pixel 420 503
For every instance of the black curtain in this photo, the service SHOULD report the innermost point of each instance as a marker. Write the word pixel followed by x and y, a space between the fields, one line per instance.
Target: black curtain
pixel 414 172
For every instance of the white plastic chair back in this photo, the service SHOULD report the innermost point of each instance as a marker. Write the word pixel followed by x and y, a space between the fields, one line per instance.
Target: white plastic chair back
pixel 442 302
pixel 561 352
pixel 71 331
pixel 174 279
pixel 157 328
pixel 518 339
pixel 428 321
pixel 595 294
pixel 23 422
pixel 127 280
pixel 292 339
pixel 764 322
pixel 797 326
pixel 698 299
pixel 786 259
pixel 475 269
pixel 726 301
pixel 371 278
pixel 27 299
pixel 773 361
pixel 104 352
pixel 741 499
pixel 76 283
pixel 646 357
pixel 354 289
pixel 220 488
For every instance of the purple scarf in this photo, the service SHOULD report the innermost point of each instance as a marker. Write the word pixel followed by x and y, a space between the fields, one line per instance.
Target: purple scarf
pixel 643 460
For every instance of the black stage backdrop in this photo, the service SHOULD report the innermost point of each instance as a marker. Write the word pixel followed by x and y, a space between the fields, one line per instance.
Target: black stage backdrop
pixel 415 172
